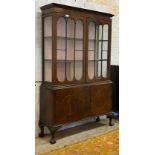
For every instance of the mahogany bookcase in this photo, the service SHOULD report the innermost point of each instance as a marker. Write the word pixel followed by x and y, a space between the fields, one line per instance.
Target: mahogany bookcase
pixel 76 45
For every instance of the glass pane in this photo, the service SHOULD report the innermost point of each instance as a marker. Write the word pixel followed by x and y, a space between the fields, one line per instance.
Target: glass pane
pixel 91 45
pixel 79 44
pixel 70 70
pixel 70 28
pixel 61 71
pixel 78 64
pixel 104 69
pixel 92 30
pixel 61 43
pixel 100 32
pixel 97 43
pixel 91 55
pixel 91 69
pixel 70 50
pixel 101 50
pixel 105 32
pixel 78 55
pixel 98 68
pixel 98 50
pixel 104 55
pixel 105 45
pixel 60 55
pixel 61 47
pixel 78 50
pixel 91 49
pixel 79 29
pixel 48 26
pixel 61 27
pixel 78 70
pixel 48 71
pixel 48 49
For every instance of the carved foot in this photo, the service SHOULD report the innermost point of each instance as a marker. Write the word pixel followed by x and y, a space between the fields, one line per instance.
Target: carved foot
pixel 98 119
pixel 53 131
pixel 111 119
pixel 41 134
pixel 52 141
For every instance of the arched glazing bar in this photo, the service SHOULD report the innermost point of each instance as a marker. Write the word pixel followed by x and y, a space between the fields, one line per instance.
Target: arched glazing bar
pixel 47 44
pixel 78 50
pixel 70 63
pixel 91 49
pixel 61 49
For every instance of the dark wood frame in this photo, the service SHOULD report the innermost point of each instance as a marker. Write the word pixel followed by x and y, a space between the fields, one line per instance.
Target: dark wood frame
pixel 70 101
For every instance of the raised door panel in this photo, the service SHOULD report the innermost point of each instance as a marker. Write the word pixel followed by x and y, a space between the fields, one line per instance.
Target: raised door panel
pixel 101 101
pixel 71 104
pixel 82 99
pixel 66 108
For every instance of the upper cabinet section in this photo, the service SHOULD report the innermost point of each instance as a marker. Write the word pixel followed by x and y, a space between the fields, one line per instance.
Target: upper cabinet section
pixel 76 44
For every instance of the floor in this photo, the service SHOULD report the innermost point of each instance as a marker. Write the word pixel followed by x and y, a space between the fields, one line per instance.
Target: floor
pixel 73 135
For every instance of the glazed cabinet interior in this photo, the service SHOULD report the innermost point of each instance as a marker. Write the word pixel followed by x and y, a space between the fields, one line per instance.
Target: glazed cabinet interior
pixel 76 61
pixel 81 49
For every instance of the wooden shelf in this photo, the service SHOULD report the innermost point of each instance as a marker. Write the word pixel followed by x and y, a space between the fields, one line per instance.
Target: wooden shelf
pixel 103 40
pixel 98 60
pixel 76 60
pixel 61 60
pixel 63 50
pixel 48 60
pixel 61 37
pixel 47 37
pixel 69 60
pixel 96 40
pixel 101 50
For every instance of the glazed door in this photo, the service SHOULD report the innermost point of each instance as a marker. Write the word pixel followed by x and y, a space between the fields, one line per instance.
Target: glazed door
pixel 98 53
pixel 69 49
pixel 47 49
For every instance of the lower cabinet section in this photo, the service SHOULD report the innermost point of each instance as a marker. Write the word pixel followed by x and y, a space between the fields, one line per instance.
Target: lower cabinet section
pixel 72 104
pixel 65 104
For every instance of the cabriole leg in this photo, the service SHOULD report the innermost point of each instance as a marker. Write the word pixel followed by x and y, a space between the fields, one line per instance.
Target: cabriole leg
pixel 41 134
pixel 98 119
pixel 111 119
pixel 53 131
